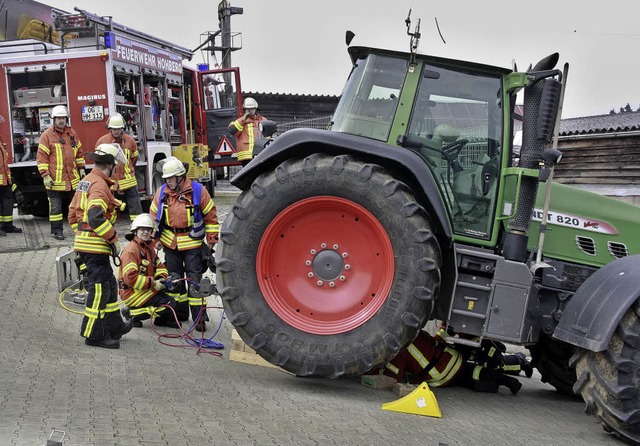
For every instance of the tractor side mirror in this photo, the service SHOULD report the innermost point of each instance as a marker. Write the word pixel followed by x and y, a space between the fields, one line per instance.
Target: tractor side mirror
pixel 268 128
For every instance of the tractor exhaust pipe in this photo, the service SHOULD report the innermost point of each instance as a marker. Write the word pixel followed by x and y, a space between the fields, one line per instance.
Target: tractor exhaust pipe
pixel 541 105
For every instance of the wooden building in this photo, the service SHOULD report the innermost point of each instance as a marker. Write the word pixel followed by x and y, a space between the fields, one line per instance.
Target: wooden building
pixel 602 154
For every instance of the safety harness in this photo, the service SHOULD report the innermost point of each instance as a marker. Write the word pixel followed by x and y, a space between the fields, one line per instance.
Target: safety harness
pixel 197 231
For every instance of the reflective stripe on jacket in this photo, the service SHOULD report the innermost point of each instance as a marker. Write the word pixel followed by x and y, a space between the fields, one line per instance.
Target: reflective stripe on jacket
pixel 124 175
pixel 139 268
pixel 177 217
pixel 426 359
pixel 246 131
pixel 60 155
pixel 95 206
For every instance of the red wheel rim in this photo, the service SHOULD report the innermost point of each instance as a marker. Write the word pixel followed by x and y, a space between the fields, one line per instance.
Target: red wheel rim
pixel 325 265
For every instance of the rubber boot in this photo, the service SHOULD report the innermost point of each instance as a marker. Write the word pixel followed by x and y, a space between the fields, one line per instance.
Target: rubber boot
pixel 525 365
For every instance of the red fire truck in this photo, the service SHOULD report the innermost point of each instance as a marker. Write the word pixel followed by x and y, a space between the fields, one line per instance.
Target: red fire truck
pixel 95 67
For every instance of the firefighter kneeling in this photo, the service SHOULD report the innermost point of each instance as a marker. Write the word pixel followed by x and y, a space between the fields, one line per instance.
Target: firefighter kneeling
pixel 431 359
pixel 142 277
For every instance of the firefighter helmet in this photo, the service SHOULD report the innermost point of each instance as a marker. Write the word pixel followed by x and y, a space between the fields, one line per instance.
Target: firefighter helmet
pixel 173 167
pixel 59 111
pixel 142 221
pixel 107 154
pixel 250 103
pixel 116 121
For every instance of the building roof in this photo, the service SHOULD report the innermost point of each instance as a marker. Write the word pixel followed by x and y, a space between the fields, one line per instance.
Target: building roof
pixel 586 125
pixel 292 96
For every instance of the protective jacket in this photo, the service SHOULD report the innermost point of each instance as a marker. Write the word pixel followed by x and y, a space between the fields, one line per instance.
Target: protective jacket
pixel 92 214
pixel 426 359
pixel 124 175
pixel 246 130
pixel 60 155
pixel 178 216
pixel 5 172
pixel 139 269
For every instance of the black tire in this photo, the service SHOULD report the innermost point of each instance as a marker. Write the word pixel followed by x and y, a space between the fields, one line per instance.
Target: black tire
pixel 609 381
pixel 404 308
pixel 551 357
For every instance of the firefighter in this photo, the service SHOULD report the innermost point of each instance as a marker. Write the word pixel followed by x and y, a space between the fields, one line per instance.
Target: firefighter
pixel 185 215
pixel 142 277
pixel 126 185
pixel 7 191
pixel 92 213
pixel 246 129
pixel 61 164
pixel 431 359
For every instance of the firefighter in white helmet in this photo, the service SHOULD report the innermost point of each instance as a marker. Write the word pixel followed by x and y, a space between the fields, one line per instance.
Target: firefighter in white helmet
pixel 187 223
pixel 142 276
pixel 246 130
pixel 124 175
pixel 61 164
pixel 92 214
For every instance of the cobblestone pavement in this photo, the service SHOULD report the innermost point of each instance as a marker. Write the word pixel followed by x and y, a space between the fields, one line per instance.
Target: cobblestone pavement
pixel 147 393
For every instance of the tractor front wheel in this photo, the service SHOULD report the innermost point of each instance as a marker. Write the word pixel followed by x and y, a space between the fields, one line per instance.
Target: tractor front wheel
pixel 609 381
pixel 327 266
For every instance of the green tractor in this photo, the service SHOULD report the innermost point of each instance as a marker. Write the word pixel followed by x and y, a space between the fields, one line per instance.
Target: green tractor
pixel 413 206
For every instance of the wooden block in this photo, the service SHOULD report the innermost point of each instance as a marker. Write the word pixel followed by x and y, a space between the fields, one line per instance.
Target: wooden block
pixel 238 344
pixel 377 381
pixel 249 358
pixel 402 389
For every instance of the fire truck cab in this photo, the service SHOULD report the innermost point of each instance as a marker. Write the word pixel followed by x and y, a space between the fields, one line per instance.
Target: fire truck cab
pixel 96 67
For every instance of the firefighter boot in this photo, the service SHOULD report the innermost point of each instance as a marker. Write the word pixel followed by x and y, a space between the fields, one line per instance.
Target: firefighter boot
pixel 107 342
pixel 512 383
pixel 124 329
pixel 2 233
pixel 9 228
pixel 525 365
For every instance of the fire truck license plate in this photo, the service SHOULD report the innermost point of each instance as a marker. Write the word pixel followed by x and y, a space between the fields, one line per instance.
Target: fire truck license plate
pixel 94 113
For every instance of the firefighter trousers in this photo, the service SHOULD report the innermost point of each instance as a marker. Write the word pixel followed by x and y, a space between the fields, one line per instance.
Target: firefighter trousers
pixel 102 313
pixel 186 263
pixel 132 198
pixel 56 199
pixel 6 207
pixel 156 306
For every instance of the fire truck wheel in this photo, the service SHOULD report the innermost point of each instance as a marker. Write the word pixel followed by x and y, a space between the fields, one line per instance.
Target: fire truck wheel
pixel 608 380
pixel 551 358
pixel 328 266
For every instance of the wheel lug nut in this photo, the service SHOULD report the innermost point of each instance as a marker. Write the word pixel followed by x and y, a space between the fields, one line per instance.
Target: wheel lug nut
pixel 308 263
pixel 332 284
pixel 310 275
pixel 347 267
pixel 335 246
pixel 323 245
pixel 342 278
pixel 345 255
pixel 313 251
pixel 320 282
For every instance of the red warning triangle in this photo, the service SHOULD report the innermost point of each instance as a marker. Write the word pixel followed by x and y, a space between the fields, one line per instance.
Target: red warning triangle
pixel 225 147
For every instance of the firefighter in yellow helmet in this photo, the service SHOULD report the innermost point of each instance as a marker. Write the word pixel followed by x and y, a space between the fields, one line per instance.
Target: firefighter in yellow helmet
pixel 124 175
pixel 60 161
pixel 186 218
pixel 246 129
pixel 142 276
pixel 92 214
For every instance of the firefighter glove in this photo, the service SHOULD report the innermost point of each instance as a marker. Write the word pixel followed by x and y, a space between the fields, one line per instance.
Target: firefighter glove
pixel 158 285
pixel 82 173
pixel 48 181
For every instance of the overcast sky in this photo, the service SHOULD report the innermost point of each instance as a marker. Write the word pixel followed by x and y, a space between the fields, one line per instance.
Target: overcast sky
pixel 298 46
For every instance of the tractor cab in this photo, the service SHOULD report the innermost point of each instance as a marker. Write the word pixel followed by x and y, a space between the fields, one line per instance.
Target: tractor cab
pixel 451 114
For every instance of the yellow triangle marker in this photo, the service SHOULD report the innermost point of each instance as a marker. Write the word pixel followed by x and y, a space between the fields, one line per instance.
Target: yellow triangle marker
pixel 421 401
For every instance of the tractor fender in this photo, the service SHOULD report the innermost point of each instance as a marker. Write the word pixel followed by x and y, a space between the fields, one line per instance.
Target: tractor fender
pixel 593 313
pixel 302 142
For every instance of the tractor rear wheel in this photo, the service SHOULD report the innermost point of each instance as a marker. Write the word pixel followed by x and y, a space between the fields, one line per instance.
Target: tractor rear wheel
pixel 551 357
pixel 609 381
pixel 327 266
